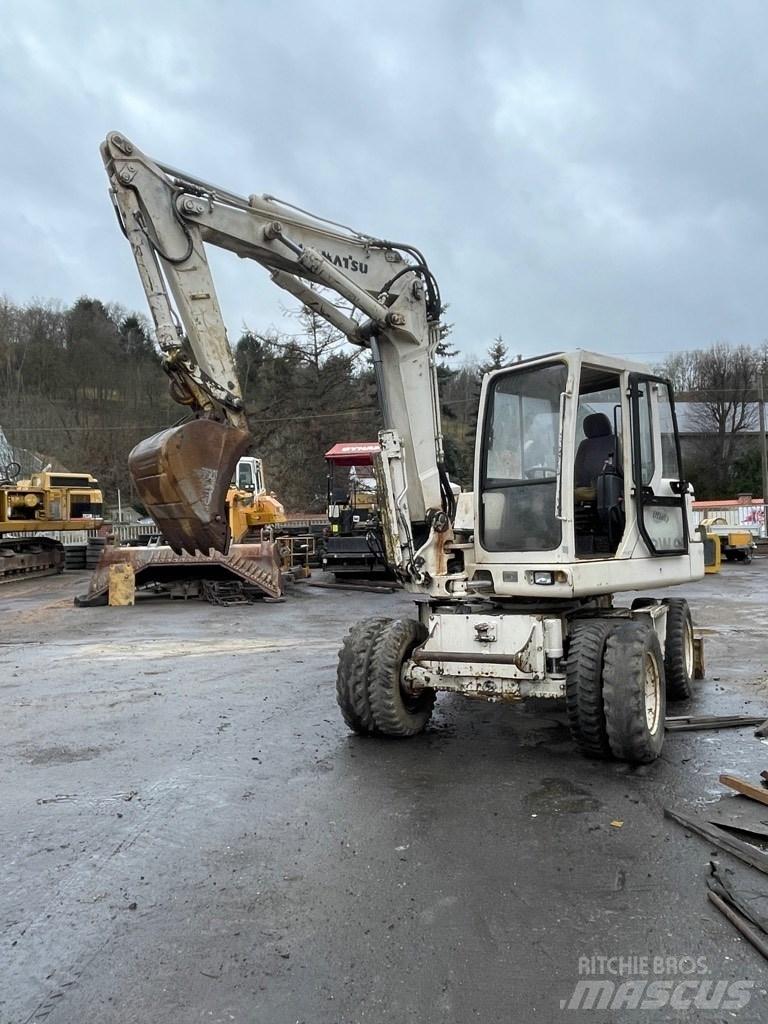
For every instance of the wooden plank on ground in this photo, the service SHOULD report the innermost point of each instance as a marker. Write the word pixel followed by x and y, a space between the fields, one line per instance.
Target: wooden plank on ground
pixel 745 787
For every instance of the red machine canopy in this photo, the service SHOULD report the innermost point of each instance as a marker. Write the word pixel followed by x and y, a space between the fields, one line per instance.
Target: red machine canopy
pixel 353 453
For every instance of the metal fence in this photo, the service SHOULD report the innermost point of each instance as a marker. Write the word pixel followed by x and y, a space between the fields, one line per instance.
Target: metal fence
pixel 748 515
pixel 78 537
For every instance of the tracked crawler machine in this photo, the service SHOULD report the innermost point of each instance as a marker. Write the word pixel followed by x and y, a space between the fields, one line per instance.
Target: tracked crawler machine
pixel 45 503
pixel 579 493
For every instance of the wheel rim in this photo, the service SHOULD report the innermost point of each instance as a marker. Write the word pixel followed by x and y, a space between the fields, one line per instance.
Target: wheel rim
pixel 652 692
pixel 688 648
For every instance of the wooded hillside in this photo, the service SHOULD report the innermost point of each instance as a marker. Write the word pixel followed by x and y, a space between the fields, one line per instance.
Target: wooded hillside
pixel 83 384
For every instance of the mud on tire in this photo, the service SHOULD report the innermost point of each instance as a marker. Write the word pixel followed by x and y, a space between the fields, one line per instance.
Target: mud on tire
pixel 395 712
pixel 634 693
pixel 584 685
pixel 353 671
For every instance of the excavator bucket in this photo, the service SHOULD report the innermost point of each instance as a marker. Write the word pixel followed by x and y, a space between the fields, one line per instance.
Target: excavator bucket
pixel 182 475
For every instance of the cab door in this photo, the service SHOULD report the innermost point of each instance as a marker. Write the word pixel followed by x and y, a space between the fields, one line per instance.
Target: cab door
pixel 658 485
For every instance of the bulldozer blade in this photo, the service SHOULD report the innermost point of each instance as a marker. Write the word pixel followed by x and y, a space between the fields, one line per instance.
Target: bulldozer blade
pixel 182 475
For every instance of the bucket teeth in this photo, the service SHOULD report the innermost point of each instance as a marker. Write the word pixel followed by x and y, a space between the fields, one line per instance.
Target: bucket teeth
pixel 182 476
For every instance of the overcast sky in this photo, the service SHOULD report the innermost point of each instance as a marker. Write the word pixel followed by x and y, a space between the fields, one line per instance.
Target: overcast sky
pixel 579 174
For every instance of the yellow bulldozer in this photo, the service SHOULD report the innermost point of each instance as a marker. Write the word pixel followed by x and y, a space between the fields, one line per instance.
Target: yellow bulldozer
pixel 46 502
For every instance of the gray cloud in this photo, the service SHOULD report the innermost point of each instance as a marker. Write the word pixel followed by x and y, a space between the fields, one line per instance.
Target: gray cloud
pixel 584 174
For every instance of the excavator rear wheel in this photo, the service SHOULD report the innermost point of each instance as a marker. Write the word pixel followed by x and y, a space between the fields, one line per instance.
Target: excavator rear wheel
pixel 396 712
pixel 634 693
pixel 584 685
pixel 353 672
pixel 678 650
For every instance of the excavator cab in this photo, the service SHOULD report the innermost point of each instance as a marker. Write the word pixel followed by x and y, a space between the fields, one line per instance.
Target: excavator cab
pixel 579 479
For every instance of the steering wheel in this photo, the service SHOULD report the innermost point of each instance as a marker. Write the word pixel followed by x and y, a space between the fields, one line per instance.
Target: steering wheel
pixel 540 473
pixel 10 472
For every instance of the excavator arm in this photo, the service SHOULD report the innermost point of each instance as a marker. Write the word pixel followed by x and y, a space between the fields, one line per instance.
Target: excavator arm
pixel 182 474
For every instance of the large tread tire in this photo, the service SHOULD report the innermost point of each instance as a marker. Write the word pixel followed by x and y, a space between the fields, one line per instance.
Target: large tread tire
pixel 584 685
pixel 627 654
pixel 394 712
pixel 352 674
pixel 678 666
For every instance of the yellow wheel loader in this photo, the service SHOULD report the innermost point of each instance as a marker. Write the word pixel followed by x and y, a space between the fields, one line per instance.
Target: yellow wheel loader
pixel 579 491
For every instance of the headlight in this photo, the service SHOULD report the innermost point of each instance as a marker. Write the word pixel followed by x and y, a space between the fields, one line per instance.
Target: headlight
pixel 543 577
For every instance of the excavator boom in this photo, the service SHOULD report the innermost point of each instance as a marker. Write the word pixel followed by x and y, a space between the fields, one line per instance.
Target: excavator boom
pixel 181 474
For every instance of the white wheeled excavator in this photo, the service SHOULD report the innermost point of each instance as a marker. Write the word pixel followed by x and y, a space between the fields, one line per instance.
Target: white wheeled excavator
pixel 579 493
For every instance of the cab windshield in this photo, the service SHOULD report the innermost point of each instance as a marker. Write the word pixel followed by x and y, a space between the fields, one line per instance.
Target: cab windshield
pixel 522 458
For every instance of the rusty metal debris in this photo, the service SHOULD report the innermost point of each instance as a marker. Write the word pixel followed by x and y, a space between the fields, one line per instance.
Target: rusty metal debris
pixel 739 906
pixel 739 814
pixel 751 855
pixel 182 475
pixel 743 900
pixel 228 592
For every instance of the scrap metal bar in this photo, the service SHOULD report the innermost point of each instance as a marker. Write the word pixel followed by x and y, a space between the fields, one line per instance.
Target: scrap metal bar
pixel 682 723
pixel 740 923
pixel 368 588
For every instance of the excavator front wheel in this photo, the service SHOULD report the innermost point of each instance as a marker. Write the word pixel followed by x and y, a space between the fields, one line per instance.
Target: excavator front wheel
pixel 352 674
pixel 368 688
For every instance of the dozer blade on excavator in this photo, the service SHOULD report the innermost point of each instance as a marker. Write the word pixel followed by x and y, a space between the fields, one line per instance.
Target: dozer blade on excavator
pixel 182 475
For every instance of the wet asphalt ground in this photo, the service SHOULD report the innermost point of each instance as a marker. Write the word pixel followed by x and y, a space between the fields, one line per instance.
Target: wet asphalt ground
pixel 189 832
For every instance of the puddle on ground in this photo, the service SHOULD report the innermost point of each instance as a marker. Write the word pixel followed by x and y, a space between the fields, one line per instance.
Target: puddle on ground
pixel 560 796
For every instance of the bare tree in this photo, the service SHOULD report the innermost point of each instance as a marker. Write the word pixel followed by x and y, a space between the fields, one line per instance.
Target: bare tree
pixel 720 385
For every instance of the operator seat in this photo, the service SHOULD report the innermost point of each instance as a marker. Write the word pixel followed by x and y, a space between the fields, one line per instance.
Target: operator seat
pixel 598 489
pixel 598 448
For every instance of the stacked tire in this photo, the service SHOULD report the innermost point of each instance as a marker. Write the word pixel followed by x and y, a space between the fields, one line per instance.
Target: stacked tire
pixel 93 553
pixel 75 556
